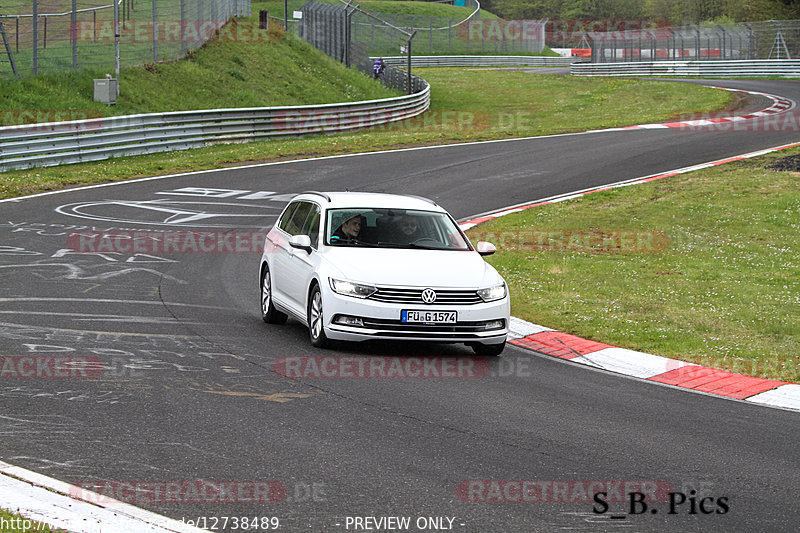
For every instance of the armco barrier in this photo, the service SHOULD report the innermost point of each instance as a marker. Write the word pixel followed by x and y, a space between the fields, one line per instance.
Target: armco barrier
pixel 481 61
pixel 57 143
pixel 787 68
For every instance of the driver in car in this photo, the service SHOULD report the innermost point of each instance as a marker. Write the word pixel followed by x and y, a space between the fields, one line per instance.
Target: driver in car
pixel 349 230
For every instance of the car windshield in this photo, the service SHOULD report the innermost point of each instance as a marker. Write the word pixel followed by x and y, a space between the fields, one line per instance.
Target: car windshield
pixel 393 228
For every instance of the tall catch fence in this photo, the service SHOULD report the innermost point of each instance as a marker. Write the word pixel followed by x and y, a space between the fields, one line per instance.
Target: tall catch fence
pixel 470 34
pixel 329 28
pixel 773 39
pixel 60 35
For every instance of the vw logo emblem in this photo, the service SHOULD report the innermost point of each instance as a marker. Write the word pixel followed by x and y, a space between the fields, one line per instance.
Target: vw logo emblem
pixel 428 296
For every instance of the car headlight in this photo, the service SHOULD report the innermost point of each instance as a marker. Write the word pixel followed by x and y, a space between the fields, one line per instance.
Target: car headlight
pixel 348 288
pixel 491 294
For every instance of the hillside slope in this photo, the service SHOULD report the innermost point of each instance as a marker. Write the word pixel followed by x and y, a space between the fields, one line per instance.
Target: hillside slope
pixel 244 67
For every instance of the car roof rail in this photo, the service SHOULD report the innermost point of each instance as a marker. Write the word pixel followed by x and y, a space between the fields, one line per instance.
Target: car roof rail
pixel 318 194
pixel 422 198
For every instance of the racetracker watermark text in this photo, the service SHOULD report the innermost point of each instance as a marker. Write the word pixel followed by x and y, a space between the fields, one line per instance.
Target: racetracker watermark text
pixel 577 240
pixel 167 242
pixel 50 367
pixel 726 123
pixel 382 367
pixel 180 491
pixel 170 31
pixel 558 490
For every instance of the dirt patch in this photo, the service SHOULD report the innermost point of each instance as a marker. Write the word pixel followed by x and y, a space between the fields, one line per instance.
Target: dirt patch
pixel 786 164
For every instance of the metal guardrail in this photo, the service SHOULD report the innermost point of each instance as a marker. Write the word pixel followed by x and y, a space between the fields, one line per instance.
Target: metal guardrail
pixel 56 143
pixel 482 61
pixel 787 68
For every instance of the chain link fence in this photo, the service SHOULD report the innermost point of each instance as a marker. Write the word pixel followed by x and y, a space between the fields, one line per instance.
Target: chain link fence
pixel 352 36
pixel 444 35
pixel 448 36
pixel 329 28
pixel 60 35
pixel 741 41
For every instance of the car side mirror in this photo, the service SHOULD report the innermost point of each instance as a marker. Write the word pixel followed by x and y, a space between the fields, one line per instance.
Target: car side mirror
pixel 485 248
pixel 302 242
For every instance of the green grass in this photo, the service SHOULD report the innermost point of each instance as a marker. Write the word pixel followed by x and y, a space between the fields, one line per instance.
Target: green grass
pixel 418 9
pixel 267 71
pixel 715 280
pixel 512 103
pixel 422 9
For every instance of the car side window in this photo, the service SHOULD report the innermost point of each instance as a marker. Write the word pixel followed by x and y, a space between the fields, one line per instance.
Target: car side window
pixel 294 225
pixel 311 227
pixel 287 215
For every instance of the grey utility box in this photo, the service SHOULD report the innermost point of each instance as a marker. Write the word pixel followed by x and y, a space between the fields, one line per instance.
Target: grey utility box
pixel 105 90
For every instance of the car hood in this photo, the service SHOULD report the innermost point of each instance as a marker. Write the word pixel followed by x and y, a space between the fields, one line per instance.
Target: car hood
pixel 417 268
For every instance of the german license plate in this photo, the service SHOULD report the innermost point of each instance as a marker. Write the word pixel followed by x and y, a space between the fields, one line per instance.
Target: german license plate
pixel 428 317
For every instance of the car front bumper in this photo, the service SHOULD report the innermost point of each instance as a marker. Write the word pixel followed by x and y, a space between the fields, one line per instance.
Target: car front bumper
pixel 379 320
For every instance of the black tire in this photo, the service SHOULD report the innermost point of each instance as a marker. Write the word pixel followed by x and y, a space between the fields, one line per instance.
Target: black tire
pixel 316 331
pixel 269 314
pixel 488 350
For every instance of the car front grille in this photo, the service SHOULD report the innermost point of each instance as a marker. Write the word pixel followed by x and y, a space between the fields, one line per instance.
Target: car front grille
pixel 397 326
pixel 414 296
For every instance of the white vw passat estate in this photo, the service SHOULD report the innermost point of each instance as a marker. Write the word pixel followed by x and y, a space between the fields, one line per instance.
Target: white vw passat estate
pixel 357 266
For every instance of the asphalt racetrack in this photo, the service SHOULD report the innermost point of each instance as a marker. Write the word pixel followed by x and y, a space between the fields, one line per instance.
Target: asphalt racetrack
pixel 184 387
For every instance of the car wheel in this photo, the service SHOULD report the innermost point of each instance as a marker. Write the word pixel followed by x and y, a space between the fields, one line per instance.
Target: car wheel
pixel 268 311
pixel 316 331
pixel 490 350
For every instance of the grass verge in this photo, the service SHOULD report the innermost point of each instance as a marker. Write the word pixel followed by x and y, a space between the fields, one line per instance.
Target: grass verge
pixel 539 104
pixel 703 267
pixel 14 523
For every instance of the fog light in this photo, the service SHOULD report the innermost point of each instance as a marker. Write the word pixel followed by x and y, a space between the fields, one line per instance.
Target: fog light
pixel 494 324
pixel 346 320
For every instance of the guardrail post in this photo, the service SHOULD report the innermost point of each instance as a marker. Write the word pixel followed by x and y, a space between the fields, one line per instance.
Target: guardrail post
pixel 410 40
